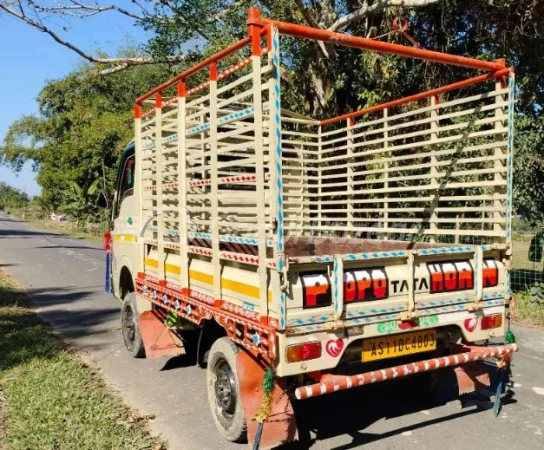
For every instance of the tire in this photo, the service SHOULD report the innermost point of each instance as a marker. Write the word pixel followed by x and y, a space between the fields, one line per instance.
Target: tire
pixel 130 327
pixel 223 390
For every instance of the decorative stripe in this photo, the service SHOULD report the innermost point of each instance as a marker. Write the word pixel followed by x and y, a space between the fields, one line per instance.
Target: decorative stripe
pixel 373 311
pixel 223 120
pixel 277 125
pixel 125 238
pixel 230 238
pixel 445 250
pixel 195 310
pixel 340 383
pixel 373 255
pixel 338 286
pixel 510 167
pixel 194 275
pixel 439 303
pixel 230 180
pixel 310 320
pixel 372 319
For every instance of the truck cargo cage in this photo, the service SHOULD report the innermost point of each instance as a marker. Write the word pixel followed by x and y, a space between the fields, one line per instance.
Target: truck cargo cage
pixel 230 178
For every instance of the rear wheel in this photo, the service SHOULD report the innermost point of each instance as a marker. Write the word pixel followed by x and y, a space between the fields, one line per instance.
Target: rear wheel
pixel 130 327
pixel 224 392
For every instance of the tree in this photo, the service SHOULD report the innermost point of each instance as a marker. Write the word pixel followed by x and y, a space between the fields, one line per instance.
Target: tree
pixel 11 197
pixel 329 80
pixel 80 201
pixel 83 124
pixel 188 19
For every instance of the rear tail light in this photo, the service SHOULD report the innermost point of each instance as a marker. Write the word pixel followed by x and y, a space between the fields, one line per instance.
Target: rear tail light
pixel 303 352
pixel 492 321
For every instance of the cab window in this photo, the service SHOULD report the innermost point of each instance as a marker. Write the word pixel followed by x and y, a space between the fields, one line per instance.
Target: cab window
pixel 125 187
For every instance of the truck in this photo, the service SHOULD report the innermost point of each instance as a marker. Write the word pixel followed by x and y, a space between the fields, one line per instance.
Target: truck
pixel 313 255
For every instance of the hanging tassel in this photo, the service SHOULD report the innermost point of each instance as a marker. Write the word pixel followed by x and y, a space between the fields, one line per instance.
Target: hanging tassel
pixel 497 404
pixel 509 337
pixel 107 284
pixel 266 405
pixel 502 366
pixel 107 248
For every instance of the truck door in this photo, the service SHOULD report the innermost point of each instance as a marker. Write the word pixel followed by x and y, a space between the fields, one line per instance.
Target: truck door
pixel 125 233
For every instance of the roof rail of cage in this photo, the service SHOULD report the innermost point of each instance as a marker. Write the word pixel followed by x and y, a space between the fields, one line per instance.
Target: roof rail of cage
pixel 332 37
pixel 258 26
pixel 208 62
pixel 418 96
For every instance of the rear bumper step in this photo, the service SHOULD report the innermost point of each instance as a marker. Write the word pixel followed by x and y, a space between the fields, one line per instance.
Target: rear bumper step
pixel 340 383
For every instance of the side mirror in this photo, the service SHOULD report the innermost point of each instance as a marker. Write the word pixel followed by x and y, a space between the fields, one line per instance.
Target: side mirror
pixel 103 201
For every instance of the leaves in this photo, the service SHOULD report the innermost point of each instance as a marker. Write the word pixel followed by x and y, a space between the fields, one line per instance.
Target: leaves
pixel 84 123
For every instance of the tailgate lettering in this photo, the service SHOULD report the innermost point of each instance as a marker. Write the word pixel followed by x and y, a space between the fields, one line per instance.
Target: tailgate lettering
pixel 450 276
pixel 491 273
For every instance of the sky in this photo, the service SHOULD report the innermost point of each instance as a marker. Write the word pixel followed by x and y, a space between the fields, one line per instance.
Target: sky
pixel 29 58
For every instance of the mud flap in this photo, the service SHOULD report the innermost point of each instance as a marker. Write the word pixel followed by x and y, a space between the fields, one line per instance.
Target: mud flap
pixel 281 426
pixel 158 339
pixel 472 377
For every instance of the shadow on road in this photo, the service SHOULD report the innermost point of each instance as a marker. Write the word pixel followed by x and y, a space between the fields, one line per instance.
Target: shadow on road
pixel 62 309
pixel 21 234
pixel 351 412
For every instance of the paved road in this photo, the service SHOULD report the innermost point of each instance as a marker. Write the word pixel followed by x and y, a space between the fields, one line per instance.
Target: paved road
pixel 65 276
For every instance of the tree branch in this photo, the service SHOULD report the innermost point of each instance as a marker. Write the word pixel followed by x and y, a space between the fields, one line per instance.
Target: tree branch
pixel 377 7
pixel 78 9
pixel 307 14
pixel 327 49
pixel 122 62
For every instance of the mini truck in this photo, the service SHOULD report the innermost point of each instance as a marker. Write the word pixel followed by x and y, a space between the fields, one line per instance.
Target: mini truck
pixel 376 243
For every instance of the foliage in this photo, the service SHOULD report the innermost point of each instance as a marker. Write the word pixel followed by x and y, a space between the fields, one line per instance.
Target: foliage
pixel 84 123
pixel 527 312
pixel 85 119
pixel 80 201
pixel 529 168
pixel 11 197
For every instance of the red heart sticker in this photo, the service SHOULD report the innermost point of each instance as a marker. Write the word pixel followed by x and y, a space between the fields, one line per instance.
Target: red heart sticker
pixel 470 324
pixel 334 347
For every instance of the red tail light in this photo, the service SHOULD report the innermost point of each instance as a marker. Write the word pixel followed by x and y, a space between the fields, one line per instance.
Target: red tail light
pixel 492 321
pixel 303 352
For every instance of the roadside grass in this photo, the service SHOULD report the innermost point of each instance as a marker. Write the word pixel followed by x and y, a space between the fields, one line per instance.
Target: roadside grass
pixel 527 313
pixel 49 398
pixel 71 229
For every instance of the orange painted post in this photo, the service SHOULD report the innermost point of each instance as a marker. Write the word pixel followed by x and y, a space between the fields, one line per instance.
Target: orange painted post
pixel 201 65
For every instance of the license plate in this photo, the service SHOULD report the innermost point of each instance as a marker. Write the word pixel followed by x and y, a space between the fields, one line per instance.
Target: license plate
pixel 398 345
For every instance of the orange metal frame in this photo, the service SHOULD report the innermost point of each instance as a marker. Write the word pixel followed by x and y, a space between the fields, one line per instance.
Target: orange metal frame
pixel 449 87
pixel 304 32
pixel 257 26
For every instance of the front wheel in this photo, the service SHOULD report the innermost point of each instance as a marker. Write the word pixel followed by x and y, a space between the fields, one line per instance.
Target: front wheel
pixel 224 391
pixel 130 326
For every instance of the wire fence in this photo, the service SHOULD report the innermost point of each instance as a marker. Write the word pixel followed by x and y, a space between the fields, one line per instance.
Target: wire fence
pixel 527 275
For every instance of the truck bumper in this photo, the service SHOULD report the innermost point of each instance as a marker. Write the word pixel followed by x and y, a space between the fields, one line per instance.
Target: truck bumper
pixel 465 356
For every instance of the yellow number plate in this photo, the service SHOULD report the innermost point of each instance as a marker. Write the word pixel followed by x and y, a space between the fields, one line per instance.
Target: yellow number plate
pixel 398 345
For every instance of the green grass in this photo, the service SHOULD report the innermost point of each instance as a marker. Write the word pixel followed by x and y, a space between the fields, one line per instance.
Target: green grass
pixel 64 228
pixel 49 398
pixel 528 313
